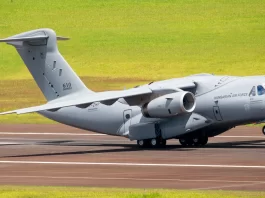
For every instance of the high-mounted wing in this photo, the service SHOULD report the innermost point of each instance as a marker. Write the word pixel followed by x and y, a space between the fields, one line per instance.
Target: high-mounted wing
pixel 134 96
pixel 111 96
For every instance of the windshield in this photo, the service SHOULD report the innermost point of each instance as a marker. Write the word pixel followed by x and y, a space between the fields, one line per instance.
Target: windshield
pixel 261 90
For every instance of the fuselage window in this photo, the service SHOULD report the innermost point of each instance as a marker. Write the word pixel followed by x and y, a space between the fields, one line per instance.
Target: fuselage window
pixel 261 90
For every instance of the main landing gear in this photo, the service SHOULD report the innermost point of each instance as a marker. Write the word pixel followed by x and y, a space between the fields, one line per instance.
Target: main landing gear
pixel 194 141
pixel 184 141
pixel 154 143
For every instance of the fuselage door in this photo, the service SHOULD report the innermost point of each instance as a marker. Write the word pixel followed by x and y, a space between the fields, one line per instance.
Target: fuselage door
pixel 217 113
pixel 127 114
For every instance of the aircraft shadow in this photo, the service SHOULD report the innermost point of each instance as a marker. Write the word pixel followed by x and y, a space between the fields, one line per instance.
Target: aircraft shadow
pixel 106 149
pixel 252 144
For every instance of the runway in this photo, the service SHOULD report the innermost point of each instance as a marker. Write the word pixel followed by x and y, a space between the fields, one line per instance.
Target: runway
pixel 64 156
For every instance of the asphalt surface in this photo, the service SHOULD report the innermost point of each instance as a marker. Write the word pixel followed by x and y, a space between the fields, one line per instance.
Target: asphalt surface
pixel 64 156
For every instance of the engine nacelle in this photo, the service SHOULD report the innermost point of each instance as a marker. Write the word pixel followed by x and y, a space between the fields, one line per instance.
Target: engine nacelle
pixel 169 105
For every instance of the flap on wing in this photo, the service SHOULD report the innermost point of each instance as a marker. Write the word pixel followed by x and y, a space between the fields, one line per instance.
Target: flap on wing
pixel 106 97
pixel 134 96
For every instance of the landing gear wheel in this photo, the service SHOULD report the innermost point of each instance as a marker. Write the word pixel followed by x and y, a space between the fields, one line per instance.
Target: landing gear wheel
pixel 196 141
pixel 158 142
pixel 141 143
pixel 204 140
pixel 189 141
pixel 200 141
pixel 163 142
pixel 183 141
pixel 263 130
pixel 154 142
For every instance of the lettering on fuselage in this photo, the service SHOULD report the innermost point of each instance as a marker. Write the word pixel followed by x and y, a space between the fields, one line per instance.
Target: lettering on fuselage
pixel 230 96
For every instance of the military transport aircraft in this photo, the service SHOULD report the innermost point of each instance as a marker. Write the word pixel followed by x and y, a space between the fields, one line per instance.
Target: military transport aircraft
pixel 190 109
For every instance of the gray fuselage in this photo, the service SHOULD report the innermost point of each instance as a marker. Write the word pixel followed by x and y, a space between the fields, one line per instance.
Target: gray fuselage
pixel 226 101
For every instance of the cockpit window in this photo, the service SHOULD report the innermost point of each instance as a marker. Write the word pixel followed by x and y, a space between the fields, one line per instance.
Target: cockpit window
pixel 261 90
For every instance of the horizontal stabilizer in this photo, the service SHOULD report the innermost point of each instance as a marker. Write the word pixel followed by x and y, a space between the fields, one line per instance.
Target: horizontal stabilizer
pixel 32 38
pixel 23 38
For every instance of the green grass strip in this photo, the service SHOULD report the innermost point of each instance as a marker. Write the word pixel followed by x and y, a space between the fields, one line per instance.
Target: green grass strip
pixel 60 192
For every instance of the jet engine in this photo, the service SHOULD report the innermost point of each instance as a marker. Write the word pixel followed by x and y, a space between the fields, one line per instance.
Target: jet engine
pixel 169 105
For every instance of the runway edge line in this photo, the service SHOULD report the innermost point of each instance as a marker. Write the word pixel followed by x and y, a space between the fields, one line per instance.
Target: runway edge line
pixel 132 164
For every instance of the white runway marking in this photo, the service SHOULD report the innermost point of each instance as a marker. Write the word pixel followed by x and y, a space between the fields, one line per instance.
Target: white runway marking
pixel 34 133
pixel 132 164
pixel 5 143
pixel 128 178
pixel 99 134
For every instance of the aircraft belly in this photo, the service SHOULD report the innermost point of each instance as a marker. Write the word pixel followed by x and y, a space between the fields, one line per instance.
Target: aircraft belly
pixel 98 118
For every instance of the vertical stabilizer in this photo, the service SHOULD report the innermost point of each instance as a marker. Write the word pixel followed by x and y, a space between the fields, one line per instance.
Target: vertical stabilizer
pixel 38 49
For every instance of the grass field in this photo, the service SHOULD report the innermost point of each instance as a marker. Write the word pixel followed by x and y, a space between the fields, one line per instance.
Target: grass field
pixel 158 39
pixel 120 43
pixel 60 192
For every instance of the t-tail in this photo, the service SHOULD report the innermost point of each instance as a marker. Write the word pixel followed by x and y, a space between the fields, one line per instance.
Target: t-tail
pixel 54 76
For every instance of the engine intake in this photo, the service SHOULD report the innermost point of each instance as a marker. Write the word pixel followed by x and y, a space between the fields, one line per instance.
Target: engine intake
pixel 169 105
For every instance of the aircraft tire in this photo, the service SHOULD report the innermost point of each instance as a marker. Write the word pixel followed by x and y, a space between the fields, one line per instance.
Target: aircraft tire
pixel 200 141
pixel 163 142
pixel 186 141
pixel 263 130
pixel 190 141
pixel 204 140
pixel 143 143
pixel 154 142
pixel 183 141
pixel 157 142
pixel 196 141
